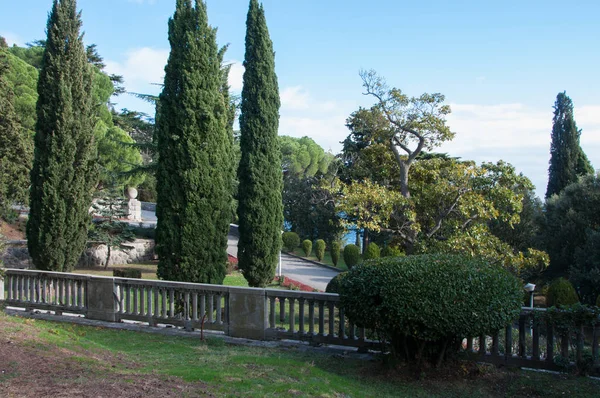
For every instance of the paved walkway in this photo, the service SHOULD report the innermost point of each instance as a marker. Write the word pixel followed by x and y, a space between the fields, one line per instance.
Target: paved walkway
pixel 295 268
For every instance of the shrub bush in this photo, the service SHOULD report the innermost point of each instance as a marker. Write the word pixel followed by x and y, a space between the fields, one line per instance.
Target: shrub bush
pixel 291 240
pixel 372 252
pixel 335 252
pixel 351 255
pixel 320 249
pixel 424 305
pixel 144 232
pixel 334 284
pixel 390 251
pixel 127 273
pixel 307 247
pixel 561 293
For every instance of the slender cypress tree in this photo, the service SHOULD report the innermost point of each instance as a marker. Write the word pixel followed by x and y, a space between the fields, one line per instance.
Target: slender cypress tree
pixel 567 159
pixel 64 172
pixel 15 150
pixel 193 178
pixel 260 206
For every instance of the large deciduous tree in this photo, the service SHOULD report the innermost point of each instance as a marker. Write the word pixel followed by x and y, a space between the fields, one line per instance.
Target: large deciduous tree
pixel 193 173
pixel 567 159
pixel 64 172
pixel 260 206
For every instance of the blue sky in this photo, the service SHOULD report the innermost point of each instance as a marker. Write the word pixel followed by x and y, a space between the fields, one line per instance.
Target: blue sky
pixel 500 64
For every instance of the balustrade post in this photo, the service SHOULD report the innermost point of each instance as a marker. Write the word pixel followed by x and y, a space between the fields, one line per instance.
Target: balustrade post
pixel 102 294
pixel 2 282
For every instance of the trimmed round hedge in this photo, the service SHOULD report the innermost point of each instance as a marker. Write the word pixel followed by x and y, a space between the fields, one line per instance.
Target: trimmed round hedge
pixel 560 293
pixel 320 249
pixel 372 252
pixel 291 240
pixel 335 252
pixel 430 298
pixel 351 255
pixel 334 284
pixel 307 247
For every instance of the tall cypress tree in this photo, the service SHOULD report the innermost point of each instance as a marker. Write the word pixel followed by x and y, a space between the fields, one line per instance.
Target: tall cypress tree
pixel 260 206
pixel 15 150
pixel 567 159
pixel 64 173
pixel 193 178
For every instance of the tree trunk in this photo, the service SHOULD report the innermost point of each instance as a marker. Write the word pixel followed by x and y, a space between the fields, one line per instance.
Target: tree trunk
pixel 365 240
pixel 404 167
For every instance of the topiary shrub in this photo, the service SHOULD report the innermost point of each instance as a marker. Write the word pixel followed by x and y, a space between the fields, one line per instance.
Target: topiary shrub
pixel 334 284
pixel 320 249
pixel 351 255
pixel 307 247
pixel 424 305
pixel 127 273
pixel 335 252
pixel 561 293
pixel 290 240
pixel 390 251
pixel 372 252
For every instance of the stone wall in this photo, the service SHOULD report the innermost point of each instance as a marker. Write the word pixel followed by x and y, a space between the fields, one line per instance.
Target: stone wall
pixel 16 254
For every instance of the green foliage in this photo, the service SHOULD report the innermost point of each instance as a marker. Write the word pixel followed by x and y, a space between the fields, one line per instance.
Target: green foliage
pixel 571 217
pixel 303 157
pixel 561 293
pixel 309 207
pixel 15 145
pixel 336 246
pixel 117 156
pixel 320 249
pixel 132 273
pixel 194 177
pixel 584 273
pixel 334 284
pixel 351 255
pixel 260 208
pixel 291 240
pixel 430 300
pixel 390 251
pixel 307 247
pixel 567 159
pixel 372 252
pixel 111 207
pixel 64 171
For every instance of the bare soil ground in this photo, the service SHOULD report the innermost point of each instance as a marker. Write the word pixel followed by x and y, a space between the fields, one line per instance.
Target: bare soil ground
pixel 14 231
pixel 29 367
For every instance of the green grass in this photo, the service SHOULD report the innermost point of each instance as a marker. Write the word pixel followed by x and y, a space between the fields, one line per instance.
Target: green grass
pixel 230 370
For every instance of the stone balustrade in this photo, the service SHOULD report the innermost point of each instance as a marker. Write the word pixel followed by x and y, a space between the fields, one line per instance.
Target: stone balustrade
pixel 269 314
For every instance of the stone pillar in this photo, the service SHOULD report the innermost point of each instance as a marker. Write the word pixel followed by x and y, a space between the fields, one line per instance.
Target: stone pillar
pixel 247 313
pixel 101 299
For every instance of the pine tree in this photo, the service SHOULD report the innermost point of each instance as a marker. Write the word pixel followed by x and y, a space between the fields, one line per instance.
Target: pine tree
pixel 15 150
pixel 193 174
pixel 260 206
pixel 64 171
pixel 567 159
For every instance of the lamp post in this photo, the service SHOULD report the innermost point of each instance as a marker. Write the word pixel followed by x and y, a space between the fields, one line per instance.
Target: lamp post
pixel 530 287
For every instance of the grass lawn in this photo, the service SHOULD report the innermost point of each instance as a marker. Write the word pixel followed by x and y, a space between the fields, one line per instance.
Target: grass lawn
pixel 43 358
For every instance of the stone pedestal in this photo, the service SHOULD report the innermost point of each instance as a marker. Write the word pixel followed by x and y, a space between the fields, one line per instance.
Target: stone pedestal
pixel 248 313
pixel 101 299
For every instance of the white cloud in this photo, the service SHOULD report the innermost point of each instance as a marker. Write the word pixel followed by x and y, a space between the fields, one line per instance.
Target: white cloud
pixel 236 75
pixel 294 98
pixel 12 39
pixel 142 68
pixel 517 134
